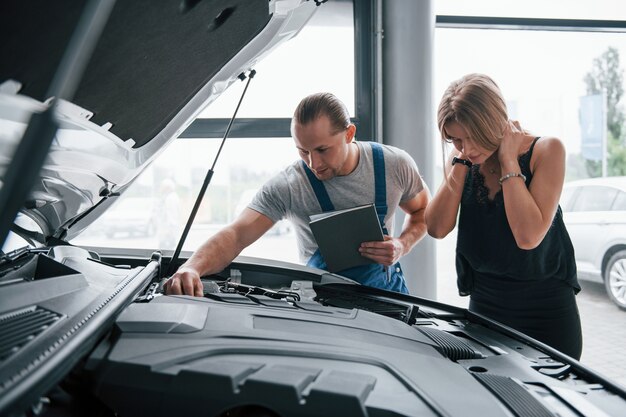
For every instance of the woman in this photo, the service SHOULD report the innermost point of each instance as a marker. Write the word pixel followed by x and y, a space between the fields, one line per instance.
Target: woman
pixel 514 256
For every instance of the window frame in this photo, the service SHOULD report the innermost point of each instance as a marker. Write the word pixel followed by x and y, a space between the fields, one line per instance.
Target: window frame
pixel 526 23
pixel 365 69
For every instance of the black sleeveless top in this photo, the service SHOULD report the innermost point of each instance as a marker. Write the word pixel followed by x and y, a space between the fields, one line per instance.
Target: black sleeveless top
pixel 487 249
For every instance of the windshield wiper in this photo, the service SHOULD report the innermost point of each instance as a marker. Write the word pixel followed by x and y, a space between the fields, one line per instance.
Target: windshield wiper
pixel 13 255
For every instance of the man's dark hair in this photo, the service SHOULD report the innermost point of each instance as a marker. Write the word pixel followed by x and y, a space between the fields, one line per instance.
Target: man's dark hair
pixel 318 104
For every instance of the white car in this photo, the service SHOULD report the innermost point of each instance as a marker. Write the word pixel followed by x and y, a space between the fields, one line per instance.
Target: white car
pixel 595 216
pixel 131 216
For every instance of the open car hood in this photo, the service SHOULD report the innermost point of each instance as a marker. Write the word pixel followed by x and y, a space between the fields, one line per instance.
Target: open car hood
pixel 152 71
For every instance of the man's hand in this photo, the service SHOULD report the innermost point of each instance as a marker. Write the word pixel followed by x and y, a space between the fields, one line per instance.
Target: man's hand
pixel 385 253
pixel 186 281
pixel 217 252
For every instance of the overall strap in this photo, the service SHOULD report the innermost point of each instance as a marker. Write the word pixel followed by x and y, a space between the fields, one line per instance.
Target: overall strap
pixel 380 186
pixel 318 188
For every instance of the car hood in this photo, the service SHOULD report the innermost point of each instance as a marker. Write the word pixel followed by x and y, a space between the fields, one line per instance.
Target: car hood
pixel 268 338
pixel 152 71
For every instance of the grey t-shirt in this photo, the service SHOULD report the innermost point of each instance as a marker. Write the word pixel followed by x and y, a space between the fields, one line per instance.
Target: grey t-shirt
pixel 289 193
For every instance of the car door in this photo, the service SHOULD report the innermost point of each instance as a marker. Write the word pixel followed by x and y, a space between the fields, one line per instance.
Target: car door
pixel 616 217
pixel 588 224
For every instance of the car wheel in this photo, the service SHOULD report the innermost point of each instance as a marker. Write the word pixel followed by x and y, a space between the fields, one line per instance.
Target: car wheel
pixel 615 279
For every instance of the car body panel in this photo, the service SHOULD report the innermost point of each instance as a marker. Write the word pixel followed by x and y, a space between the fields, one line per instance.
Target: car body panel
pixel 595 217
pixel 595 233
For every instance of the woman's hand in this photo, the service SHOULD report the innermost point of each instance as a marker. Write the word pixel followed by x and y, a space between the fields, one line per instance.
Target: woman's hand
pixel 511 145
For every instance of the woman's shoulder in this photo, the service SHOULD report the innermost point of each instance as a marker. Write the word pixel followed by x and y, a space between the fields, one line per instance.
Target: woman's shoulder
pixel 547 151
pixel 548 142
pixel 548 146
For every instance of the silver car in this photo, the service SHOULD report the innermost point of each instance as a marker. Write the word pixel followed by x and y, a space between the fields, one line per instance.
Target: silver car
pixel 595 215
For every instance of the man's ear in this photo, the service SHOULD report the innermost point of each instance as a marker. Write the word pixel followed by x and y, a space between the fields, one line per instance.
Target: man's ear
pixel 350 132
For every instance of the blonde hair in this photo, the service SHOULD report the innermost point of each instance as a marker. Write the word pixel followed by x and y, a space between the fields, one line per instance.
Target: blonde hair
pixel 475 102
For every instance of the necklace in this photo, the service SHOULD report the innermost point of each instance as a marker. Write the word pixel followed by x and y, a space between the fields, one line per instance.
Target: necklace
pixel 492 170
pixel 492 166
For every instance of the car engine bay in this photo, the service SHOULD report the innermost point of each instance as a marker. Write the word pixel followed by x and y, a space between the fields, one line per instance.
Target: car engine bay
pixel 84 335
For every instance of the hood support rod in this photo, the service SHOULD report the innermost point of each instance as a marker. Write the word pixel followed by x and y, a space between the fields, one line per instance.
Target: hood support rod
pixel 207 180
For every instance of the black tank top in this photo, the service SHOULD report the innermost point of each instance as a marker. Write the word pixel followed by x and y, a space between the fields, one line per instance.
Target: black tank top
pixel 486 245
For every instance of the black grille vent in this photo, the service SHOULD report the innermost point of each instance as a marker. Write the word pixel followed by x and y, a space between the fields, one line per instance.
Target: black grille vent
pixel 521 402
pixel 344 299
pixel 450 345
pixel 20 327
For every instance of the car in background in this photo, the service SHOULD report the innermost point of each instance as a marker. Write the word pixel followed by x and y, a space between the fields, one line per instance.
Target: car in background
pixel 132 216
pixel 594 211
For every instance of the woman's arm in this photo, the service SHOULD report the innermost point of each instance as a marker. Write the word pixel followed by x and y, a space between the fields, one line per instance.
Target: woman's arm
pixel 530 211
pixel 441 212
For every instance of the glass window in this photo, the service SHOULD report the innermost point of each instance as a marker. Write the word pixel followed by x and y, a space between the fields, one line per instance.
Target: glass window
pixel 594 199
pixel 319 58
pixel 543 86
pixel 542 76
pixel 152 213
pixel 620 202
pixel 14 242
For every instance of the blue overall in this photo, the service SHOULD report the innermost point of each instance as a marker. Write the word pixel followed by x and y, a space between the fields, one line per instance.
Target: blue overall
pixel 372 275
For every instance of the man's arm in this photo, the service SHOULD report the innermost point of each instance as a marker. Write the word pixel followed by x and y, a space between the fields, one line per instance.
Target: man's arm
pixel 391 249
pixel 217 252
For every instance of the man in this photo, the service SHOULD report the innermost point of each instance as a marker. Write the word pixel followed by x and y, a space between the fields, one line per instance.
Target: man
pixel 335 172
